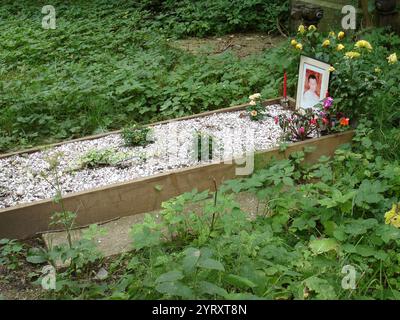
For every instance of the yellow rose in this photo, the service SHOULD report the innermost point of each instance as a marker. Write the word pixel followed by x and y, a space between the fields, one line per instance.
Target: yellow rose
pixel 331 69
pixel 340 47
pixel 299 46
pixel 392 59
pixel 332 34
pixel 293 42
pixel 253 113
pixel 301 29
pixel 341 35
pixel 326 43
pixel 393 216
pixel 312 28
pixel 362 44
pixel 352 55
pixel 255 96
pixel 252 103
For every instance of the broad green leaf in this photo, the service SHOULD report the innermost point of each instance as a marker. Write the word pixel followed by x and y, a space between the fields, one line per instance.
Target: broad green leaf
pixel 321 287
pixel 170 276
pixel 319 246
pixel 192 256
pixel 209 288
pixel 212 264
pixel 175 289
pixel 239 281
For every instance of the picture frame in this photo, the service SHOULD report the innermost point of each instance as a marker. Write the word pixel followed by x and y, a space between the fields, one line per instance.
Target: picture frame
pixel 313 83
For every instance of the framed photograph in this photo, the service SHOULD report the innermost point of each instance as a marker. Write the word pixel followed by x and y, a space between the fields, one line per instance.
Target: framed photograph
pixel 313 82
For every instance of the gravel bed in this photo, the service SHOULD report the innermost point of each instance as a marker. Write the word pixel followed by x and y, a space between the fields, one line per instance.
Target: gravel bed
pixel 21 176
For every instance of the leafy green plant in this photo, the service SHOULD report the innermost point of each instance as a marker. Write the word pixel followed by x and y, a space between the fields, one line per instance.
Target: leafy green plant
pixel 255 108
pixel 10 253
pixel 136 135
pixel 99 158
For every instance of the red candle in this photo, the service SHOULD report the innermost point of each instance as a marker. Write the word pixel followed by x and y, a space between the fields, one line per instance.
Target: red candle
pixel 285 85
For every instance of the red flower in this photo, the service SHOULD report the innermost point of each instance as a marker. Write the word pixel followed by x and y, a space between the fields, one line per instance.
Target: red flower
pixel 325 120
pixel 313 121
pixel 344 122
pixel 276 120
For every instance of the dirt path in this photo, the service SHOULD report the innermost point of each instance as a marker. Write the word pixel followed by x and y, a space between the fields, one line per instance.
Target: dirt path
pixel 242 45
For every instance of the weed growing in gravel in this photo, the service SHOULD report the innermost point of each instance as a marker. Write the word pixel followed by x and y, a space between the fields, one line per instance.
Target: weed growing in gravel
pixel 100 158
pixel 136 135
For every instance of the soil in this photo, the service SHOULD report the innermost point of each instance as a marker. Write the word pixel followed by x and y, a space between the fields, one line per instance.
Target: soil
pixel 242 45
pixel 17 284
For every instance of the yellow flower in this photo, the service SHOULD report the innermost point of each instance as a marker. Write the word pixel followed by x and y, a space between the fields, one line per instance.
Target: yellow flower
pixel 301 29
pixel 341 35
pixel 312 28
pixel 378 70
pixel 363 44
pixel 252 103
pixel 332 34
pixel 253 113
pixel 299 46
pixel 326 43
pixel 255 96
pixel 393 216
pixel 392 59
pixel 331 69
pixel 340 47
pixel 293 42
pixel 352 55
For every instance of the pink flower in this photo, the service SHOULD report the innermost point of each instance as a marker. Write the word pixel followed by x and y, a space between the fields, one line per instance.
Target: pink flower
pixel 328 102
pixel 313 121
pixel 301 130
pixel 325 120
pixel 276 120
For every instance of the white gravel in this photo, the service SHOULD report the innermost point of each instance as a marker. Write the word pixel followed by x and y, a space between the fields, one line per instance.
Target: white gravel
pixel 21 178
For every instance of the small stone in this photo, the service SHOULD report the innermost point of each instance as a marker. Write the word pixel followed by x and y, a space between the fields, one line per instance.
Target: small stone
pixel 101 274
pixel 20 191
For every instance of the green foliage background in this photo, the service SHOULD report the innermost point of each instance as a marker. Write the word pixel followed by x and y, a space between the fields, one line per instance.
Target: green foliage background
pixel 108 64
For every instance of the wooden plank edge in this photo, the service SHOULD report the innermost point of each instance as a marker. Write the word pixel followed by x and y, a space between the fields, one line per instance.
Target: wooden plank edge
pixel 17 217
